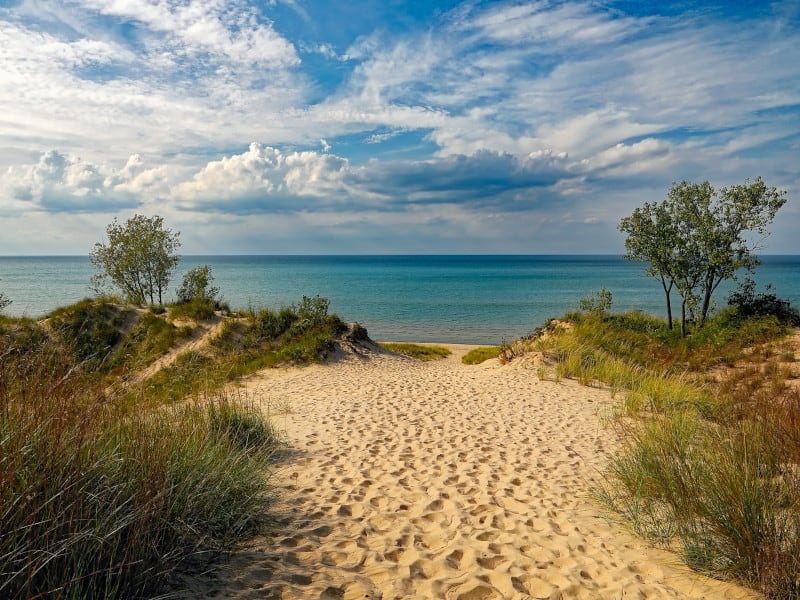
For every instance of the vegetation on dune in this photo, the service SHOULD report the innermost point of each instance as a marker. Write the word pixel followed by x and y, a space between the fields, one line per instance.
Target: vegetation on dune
pixel 698 238
pixel 198 299
pixel 478 355
pixel 416 350
pixel 97 503
pixel 710 429
pixel 98 499
pixel 139 258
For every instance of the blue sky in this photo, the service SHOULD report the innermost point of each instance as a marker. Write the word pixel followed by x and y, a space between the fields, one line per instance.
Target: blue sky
pixel 300 126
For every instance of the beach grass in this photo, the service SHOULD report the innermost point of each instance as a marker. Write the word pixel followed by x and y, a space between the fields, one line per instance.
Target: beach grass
pixel 711 438
pixel 478 355
pixel 109 494
pixel 99 504
pixel 424 353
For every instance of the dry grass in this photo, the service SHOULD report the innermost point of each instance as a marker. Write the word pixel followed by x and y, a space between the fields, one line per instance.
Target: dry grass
pixel 711 459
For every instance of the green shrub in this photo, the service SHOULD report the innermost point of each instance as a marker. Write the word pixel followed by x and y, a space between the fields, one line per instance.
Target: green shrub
pixel 749 304
pixel 312 310
pixel 270 325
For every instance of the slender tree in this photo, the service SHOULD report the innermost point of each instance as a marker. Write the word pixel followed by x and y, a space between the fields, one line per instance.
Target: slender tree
pixel 139 258
pixel 696 239
pixel 651 239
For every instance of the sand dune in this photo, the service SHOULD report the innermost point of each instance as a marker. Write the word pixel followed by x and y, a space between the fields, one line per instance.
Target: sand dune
pixel 440 480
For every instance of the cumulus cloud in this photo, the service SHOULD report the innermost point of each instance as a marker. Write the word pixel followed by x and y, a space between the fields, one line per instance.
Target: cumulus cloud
pixel 64 183
pixel 265 179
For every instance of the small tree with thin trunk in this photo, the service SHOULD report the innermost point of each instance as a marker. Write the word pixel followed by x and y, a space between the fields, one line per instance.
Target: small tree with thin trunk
pixel 651 239
pixel 696 239
pixel 139 258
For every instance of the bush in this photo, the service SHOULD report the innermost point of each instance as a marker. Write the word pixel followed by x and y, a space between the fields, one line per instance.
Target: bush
pixel 749 304
pixel 599 303
pixel 313 310
pixel 270 325
pixel 196 285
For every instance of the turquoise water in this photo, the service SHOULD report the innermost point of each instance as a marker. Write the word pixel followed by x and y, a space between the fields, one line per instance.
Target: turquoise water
pixel 466 299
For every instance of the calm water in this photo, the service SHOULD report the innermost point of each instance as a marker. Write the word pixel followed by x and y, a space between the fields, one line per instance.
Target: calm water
pixel 467 299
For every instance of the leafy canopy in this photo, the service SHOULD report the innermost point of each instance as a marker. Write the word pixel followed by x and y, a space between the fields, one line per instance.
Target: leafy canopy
pixel 697 238
pixel 139 258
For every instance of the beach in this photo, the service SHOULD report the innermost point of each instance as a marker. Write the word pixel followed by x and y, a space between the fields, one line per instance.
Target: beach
pixel 409 479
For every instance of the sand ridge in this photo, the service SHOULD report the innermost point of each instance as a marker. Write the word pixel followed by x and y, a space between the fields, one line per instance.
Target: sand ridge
pixel 442 480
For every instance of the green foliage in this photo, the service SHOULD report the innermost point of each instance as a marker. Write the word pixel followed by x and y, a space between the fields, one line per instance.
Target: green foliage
pixel 196 310
pixel 139 258
pixel 264 339
pixel 270 325
pixel 96 504
pixel 696 239
pixel 146 340
pixel 708 464
pixel 242 426
pixel 599 303
pixel 749 304
pixel 196 286
pixel 312 311
pixel 478 355
pixel 417 351
pixel 90 329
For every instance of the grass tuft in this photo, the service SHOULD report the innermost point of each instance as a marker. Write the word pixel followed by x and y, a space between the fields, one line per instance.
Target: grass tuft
pixel 478 355
pixel 417 351
pixel 711 434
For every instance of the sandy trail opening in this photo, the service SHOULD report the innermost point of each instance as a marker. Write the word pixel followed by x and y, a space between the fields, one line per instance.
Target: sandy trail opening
pixel 441 480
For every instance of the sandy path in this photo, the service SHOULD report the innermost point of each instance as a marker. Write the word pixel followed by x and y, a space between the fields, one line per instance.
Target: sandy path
pixel 440 480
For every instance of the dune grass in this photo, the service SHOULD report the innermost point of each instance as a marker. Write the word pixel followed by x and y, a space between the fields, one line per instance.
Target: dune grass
pixel 99 504
pixel 417 351
pixel 478 355
pixel 108 496
pixel 711 438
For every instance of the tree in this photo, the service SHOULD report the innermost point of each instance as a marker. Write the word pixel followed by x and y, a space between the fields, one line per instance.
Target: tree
pixel 651 238
pixel 139 258
pixel 196 285
pixel 696 238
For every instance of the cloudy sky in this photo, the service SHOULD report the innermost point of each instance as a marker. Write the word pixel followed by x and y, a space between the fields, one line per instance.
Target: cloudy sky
pixel 325 127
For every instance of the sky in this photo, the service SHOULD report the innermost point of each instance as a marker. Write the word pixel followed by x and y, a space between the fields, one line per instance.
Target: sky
pixel 366 127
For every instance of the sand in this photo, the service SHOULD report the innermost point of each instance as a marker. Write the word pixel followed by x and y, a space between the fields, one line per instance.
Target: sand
pixel 442 480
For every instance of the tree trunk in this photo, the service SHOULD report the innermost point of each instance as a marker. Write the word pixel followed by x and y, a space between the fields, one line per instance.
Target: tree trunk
pixel 709 289
pixel 667 290
pixel 683 318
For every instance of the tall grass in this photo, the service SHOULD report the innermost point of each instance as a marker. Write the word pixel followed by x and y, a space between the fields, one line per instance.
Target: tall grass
pixel 711 463
pixel 95 503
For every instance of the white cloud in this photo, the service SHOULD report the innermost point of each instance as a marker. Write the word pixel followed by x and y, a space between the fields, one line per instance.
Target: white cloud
pixel 266 179
pixel 222 28
pixel 63 183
